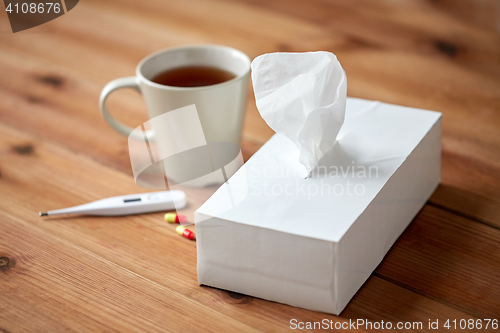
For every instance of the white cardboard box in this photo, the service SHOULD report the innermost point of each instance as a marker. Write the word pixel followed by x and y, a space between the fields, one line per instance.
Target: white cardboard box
pixel 312 243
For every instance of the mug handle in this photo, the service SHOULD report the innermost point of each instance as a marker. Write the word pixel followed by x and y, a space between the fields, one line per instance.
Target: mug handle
pixel 125 82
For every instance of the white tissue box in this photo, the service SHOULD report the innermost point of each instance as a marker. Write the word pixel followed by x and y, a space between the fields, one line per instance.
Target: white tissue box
pixel 312 243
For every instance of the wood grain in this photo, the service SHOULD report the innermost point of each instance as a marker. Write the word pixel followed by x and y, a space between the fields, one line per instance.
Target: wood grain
pixel 465 137
pixel 57 286
pixel 148 247
pixel 134 273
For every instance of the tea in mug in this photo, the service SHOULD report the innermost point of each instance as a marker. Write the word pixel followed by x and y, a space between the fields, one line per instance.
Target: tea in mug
pixel 193 76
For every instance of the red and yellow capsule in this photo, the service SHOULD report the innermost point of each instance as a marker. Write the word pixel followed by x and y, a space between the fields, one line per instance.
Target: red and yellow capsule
pixel 185 232
pixel 175 218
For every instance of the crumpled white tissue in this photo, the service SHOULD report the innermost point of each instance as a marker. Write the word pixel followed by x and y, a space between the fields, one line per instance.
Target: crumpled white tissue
pixel 302 96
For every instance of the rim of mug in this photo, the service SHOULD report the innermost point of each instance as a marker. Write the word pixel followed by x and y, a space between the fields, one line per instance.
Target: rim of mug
pixel 212 86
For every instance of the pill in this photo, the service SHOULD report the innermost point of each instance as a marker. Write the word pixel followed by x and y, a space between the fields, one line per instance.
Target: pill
pixel 185 232
pixel 175 218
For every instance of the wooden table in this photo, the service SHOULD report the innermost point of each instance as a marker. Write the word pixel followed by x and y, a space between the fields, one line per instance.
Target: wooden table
pixel 135 273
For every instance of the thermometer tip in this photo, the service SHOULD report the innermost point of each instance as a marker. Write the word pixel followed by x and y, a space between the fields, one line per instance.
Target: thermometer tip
pixel 43 214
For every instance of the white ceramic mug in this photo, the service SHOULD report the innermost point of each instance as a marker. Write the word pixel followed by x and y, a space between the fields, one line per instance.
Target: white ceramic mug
pixel 221 107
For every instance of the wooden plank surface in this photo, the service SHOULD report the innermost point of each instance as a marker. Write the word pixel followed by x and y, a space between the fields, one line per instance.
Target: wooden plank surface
pixel 135 273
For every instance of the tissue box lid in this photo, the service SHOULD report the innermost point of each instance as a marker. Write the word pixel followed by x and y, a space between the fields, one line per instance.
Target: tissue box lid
pixel 271 191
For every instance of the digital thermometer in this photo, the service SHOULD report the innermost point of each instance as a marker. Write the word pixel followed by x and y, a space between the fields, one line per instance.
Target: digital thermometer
pixel 128 204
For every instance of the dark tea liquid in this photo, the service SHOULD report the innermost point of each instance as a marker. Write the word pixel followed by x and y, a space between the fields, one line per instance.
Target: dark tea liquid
pixel 193 76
